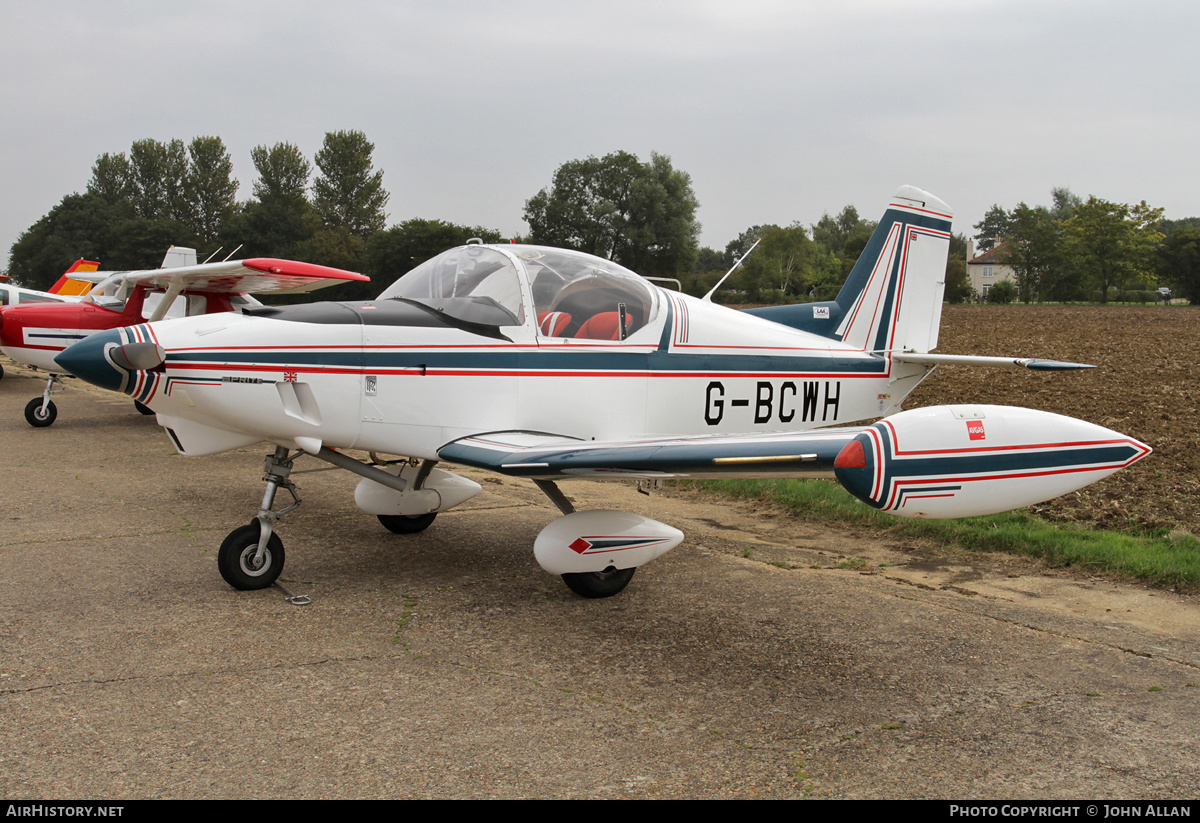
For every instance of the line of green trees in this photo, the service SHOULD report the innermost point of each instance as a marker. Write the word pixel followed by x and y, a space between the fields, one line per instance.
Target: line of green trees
pixel 1092 250
pixel 139 203
pixel 641 214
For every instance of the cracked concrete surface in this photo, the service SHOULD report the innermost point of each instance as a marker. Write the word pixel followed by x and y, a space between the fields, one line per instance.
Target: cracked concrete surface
pixel 745 663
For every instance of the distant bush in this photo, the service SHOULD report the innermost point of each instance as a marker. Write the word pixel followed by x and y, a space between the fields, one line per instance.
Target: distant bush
pixel 1003 292
pixel 1139 296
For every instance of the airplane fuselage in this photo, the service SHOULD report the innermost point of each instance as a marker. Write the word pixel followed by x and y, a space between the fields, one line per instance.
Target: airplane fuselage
pixel 38 333
pixel 384 376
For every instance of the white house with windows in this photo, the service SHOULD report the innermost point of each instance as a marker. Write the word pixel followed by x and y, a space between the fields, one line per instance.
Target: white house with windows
pixel 987 269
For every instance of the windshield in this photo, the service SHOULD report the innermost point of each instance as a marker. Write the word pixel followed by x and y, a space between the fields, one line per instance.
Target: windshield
pixel 107 292
pixel 472 283
pixel 113 293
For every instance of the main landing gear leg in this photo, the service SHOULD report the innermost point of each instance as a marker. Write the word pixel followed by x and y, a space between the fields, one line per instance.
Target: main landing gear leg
pixel 586 584
pixel 252 556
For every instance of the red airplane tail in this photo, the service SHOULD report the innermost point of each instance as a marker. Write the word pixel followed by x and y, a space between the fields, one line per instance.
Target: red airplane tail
pixel 68 286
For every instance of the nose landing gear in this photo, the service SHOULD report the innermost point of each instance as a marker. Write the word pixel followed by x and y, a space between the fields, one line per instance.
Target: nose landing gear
pixel 41 411
pixel 252 556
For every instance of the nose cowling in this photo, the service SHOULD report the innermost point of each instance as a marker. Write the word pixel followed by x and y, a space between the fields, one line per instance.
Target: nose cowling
pixel 87 360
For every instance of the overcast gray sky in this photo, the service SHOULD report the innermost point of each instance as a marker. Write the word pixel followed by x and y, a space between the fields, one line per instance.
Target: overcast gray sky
pixel 778 110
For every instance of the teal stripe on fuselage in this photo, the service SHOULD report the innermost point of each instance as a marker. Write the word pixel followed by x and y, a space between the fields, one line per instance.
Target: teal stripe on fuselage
pixel 541 361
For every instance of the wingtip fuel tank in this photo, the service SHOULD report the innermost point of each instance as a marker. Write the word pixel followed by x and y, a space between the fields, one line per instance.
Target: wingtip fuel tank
pixel 962 461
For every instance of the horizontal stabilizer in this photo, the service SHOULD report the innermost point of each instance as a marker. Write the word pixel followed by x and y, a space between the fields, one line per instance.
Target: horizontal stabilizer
pixel 971 360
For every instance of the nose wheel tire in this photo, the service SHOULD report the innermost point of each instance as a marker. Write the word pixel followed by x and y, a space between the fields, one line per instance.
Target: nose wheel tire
pixel 598 584
pixel 406 523
pixel 38 417
pixel 235 559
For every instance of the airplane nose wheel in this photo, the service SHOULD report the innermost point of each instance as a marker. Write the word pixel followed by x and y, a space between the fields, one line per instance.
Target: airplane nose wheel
pixel 241 563
pixel 40 413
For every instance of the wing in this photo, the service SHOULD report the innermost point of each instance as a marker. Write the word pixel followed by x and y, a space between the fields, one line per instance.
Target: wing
pixel 545 456
pixel 258 275
pixel 940 461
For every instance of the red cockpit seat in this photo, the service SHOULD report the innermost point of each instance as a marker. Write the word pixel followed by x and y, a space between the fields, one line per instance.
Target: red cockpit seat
pixel 553 323
pixel 604 326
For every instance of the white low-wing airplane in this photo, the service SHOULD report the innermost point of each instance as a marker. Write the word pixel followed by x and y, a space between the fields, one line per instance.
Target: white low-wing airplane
pixel 550 364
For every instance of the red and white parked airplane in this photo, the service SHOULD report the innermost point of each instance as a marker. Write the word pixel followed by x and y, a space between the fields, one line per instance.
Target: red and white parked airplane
pixel 34 333
pixel 67 289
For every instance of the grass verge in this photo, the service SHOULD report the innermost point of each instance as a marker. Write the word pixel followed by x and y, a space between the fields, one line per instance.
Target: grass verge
pixel 1159 558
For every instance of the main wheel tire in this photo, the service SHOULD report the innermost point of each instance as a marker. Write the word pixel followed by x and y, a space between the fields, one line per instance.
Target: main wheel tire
pixel 142 408
pixel 38 418
pixel 599 584
pixel 407 523
pixel 235 559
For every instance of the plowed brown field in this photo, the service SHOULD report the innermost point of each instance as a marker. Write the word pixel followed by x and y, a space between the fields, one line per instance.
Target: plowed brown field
pixel 1145 386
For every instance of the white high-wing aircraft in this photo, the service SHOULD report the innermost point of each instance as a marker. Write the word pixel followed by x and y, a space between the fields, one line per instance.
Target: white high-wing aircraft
pixel 550 364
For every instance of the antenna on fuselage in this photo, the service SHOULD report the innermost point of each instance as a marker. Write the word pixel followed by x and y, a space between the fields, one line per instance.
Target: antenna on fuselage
pixel 733 268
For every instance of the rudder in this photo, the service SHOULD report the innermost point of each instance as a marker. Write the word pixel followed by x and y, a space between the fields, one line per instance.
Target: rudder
pixel 892 300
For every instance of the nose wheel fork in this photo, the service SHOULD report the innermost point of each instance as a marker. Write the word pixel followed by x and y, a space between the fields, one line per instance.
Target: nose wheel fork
pixel 252 555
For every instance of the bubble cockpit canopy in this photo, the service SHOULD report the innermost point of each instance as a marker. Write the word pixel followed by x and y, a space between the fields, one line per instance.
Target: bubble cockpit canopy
pixel 483 284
